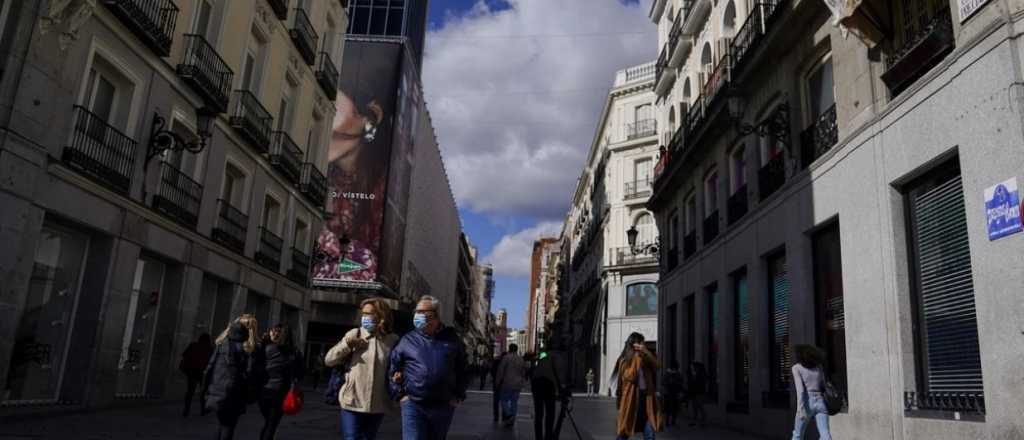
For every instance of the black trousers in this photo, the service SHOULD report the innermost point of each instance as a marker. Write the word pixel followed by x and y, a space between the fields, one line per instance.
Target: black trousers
pixel 270 406
pixel 194 378
pixel 544 399
pixel 227 420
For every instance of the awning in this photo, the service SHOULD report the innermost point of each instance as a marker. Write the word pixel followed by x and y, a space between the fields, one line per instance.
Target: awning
pixel 855 16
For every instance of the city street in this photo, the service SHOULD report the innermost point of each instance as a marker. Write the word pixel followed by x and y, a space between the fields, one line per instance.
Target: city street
pixel 595 418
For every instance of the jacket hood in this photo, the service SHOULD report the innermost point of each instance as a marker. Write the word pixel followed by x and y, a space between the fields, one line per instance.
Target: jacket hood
pixel 237 333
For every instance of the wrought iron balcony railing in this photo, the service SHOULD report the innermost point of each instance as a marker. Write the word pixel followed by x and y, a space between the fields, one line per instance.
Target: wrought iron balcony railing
pixel 304 36
pixel 327 76
pixel 206 72
pixel 178 196
pixel 753 29
pixel 820 137
pixel 230 227
pixel 661 65
pixel 280 8
pixel 689 245
pixel 919 52
pixel 711 227
pixel 101 152
pixel 313 184
pixel 625 256
pixel 251 120
pixel 642 128
pixel 153 21
pixel 737 205
pixel 772 176
pixel 638 189
pixel 299 272
pixel 695 116
pixel 286 156
pixel 944 401
pixel 718 79
pixel 269 252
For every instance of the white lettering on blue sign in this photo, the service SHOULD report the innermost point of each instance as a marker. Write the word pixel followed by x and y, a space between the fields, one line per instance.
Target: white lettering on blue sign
pixel 1003 210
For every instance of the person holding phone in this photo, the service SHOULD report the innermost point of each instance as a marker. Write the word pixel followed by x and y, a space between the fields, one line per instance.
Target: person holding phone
pixel 637 372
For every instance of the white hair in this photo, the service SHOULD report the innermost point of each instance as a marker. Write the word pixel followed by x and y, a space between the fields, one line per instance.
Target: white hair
pixel 434 302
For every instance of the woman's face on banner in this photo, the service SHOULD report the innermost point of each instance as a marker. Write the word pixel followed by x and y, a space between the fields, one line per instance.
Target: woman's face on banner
pixel 347 132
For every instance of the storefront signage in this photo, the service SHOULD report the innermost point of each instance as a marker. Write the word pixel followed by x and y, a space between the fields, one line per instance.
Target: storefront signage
pixel 969 7
pixel 1003 209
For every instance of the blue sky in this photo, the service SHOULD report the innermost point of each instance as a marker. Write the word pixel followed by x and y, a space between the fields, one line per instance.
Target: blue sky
pixel 515 88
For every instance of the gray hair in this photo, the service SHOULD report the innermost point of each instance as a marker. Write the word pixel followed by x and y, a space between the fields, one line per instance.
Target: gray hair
pixel 434 302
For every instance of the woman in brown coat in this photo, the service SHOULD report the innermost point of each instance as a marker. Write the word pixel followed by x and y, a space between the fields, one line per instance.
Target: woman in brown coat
pixel 637 370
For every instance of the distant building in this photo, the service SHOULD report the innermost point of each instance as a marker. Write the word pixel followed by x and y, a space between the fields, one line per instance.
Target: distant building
pixel 404 18
pixel 537 306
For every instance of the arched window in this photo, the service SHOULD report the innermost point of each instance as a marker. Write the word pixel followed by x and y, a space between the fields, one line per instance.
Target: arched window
pixel 642 299
pixel 687 96
pixel 707 62
pixel 672 119
pixel 729 21
pixel 645 227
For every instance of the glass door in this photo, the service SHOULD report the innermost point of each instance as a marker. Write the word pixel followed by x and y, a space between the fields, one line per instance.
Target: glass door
pixel 140 327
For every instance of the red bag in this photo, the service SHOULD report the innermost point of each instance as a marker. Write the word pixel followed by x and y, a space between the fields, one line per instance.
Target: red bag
pixel 292 402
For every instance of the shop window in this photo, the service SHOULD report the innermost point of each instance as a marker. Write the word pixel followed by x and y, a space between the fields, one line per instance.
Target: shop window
pixel 641 299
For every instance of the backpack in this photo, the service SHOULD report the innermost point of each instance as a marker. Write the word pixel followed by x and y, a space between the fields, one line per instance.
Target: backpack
pixel 334 385
pixel 833 399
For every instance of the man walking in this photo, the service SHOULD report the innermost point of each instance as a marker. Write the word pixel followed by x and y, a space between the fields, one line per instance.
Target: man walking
pixel 428 374
pixel 496 395
pixel 193 362
pixel 510 380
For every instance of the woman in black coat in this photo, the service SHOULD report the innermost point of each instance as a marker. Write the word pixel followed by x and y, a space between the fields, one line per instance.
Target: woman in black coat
pixel 233 371
pixel 285 367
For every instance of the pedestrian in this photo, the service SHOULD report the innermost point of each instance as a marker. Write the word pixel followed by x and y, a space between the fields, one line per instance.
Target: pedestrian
pixel 428 374
pixel 364 353
pixel 673 392
pixel 233 377
pixel 511 377
pixel 696 386
pixel 637 371
pixel 285 367
pixel 590 383
pixel 496 392
pixel 545 384
pixel 809 379
pixel 484 370
pixel 193 362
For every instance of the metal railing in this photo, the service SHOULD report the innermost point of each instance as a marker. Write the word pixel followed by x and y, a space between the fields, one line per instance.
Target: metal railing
pixel 711 227
pixel 327 76
pixel 695 117
pixel 205 71
pixel 944 401
pixel 280 8
pixel 738 205
pixel 252 120
pixel 772 176
pixel 286 156
pixel 153 21
pixel 661 65
pixel 750 33
pixel 642 128
pixel 230 227
pixel 820 137
pixel 299 271
pixel 919 49
pixel 101 152
pixel 717 79
pixel 625 256
pixel 313 184
pixel 304 36
pixel 178 196
pixel 269 252
pixel 637 189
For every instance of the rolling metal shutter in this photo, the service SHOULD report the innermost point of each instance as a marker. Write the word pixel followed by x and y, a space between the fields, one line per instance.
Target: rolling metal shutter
pixel 781 357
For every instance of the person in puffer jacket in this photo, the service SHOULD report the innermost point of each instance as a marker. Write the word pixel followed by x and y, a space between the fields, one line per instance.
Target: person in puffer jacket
pixel 428 374
pixel 232 374
pixel 285 367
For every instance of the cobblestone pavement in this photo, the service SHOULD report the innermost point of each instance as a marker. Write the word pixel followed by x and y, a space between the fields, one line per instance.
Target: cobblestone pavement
pixel 473 421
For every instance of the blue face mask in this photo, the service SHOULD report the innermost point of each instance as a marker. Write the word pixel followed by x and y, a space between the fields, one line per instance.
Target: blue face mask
pixel 420 321
pixel 369 324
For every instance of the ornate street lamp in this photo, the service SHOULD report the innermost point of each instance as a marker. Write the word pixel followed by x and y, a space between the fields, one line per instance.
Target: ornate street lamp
pixel 776 126
pixel 161 139
pixel 646 248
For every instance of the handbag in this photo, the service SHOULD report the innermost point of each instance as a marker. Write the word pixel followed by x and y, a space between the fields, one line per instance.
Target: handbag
pixel 292 401
pixel 334 385
pixel 833 399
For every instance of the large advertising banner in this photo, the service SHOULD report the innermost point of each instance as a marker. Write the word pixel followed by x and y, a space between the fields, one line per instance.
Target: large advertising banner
pixel 348 250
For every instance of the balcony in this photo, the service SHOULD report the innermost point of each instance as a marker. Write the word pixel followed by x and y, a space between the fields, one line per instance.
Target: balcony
pixel 642 128
pixel 664 76
pixel 152 21
pixel 286 156
pixel 230 227
pixel 737 205
pixel 772 176
pixel 718 80
pixel 689 245
pixel 101 152
pixel 711 227
pixel 970 403
pixel 659 168
pixel 922 51
pixel 204 70
pixel 696 13
pixel 637 190
pixel 269 252
pixel 624 256
pixel 819 138
pixel 679 44
pixel 299 271
pixel 178 196
pixel 304 36
pixel 280 8
pixel 695 116
pixel 251 120
pixel 327 76
pixel 313 184
pixel 752 31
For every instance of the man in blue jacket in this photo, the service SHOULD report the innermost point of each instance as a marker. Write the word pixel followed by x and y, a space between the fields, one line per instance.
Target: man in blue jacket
pixel 428 374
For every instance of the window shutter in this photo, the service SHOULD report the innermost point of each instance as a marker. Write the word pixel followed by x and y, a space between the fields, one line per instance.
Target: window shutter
pixel 781 360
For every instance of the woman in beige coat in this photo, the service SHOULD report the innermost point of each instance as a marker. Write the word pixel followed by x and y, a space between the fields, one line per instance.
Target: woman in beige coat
pixel 364 352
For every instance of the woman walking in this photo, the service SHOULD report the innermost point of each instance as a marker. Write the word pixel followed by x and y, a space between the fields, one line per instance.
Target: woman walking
pixel 696 386
pixel 285 367
pixel 365 350
pixel 232 374
pixel 809 379
pixel 637 371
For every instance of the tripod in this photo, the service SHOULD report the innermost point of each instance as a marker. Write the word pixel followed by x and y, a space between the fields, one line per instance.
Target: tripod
pixel 566 413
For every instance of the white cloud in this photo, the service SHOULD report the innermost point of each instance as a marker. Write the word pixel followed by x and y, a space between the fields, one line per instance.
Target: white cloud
pixel 511 256
pixel 515 96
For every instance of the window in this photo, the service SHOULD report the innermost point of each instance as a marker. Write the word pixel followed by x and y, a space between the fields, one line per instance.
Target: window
pixel 729 21
pixel 214 305
pixel 741 335
pixel 313 141
pixel 711 193
pixel 258 305
pixel 207 21
pixel 691 328
pixel 821 89
pixel 271 214
pixel 673 231
pixel 5 14
pixel 778 304
pixel 252 68
pixel 712 323
pixel 770 149
pixel 672 330
pixel 645 226
pixel 828 298
pixel 942 287
pixel 643 113
pixel 737 169
pixel 642 172
pixel 107 93
pixel 284 115
pixel 641 299
pixel 234 187
pixel 691 213
pixel 189 163
pixel 301 236
pixel 140 327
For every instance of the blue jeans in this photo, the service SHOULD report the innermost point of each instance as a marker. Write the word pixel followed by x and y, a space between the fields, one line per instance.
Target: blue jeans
pixel 814 407
pixel 425 422
pixel 359 426
pixel 510 403
pixel 648 433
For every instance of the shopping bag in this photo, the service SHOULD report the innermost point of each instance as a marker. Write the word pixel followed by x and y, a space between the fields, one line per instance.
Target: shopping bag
pixel 292 402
